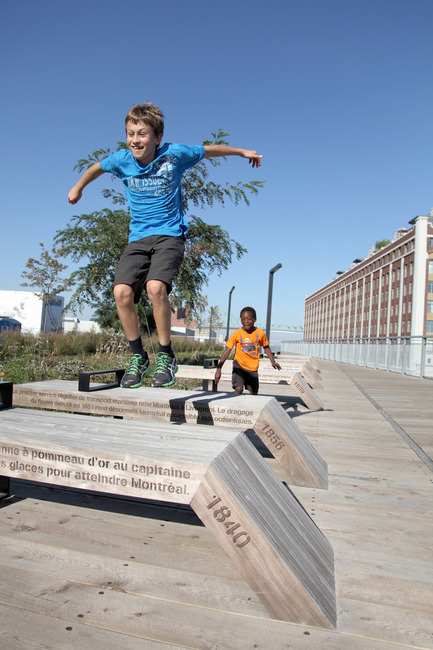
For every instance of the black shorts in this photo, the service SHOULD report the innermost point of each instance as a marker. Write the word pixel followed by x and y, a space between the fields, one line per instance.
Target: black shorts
pixel 157 257
pixel 247 378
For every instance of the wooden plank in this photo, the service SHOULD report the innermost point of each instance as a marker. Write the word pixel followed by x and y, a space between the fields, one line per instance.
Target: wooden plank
pixel 164 621
pixel 263 414
pixel 271 376
pixel 382 619
pixel 299 358
pixel 376 514
pixel 134 569
pixel 268 376
pixel 20 628
pixel 185 465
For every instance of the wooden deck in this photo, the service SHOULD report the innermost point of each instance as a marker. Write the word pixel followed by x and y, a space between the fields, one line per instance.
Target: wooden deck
pixel 82 570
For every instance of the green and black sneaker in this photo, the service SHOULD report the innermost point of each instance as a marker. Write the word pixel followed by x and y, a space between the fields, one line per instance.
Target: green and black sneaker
pixel 166 367
pixel 138 368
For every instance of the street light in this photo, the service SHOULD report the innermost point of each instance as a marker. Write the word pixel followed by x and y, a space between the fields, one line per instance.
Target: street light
pixel 228 313
pixel 268 317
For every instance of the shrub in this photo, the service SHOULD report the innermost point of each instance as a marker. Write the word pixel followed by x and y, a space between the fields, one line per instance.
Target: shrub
pixel 25 357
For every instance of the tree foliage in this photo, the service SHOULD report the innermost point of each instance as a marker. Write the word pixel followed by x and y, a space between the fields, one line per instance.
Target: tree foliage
pixel 381 244
pixel 97 240
pixel 44 274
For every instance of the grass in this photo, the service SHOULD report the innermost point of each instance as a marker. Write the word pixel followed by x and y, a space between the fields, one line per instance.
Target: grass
pixel 25 358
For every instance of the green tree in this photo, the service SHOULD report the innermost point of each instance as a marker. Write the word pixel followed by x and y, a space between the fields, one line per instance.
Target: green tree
pixel 99 238
pixel 210 318
pixel 44 274
pixel 381 244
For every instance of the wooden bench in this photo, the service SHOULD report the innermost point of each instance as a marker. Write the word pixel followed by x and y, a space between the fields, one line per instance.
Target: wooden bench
pixel 256 520
pixel 288 368
pixel 299 366
pixel 271 376
pixel 261 413
pixel 299 358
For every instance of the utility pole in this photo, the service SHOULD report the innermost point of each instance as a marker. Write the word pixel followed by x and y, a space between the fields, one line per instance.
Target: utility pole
pixel 268 316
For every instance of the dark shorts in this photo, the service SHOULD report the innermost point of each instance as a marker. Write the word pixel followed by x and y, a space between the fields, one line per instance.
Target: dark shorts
pixel 157 257
pixel 247 378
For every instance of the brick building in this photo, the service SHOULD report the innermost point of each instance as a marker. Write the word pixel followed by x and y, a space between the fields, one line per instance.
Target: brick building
pixel 387 294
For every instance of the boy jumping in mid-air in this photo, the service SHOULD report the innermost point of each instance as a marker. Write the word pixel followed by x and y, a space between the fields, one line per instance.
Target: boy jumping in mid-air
pixel 247 341
pixel 152 176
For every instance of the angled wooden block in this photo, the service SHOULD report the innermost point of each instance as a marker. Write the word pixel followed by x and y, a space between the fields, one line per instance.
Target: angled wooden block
pixel 256 520
pixel 307 394
pixel 311 370
pixel 261 413
pixel 291 561
pixel 310 378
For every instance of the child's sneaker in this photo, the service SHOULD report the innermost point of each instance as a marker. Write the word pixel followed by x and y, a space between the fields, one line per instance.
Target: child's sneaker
pixel 166 367
pixel 138 368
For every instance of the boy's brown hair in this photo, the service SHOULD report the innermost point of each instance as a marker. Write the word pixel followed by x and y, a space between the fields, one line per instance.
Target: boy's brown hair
pixel 149 114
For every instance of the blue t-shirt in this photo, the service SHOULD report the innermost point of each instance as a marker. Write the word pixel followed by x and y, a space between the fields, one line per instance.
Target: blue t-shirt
pixel 153 191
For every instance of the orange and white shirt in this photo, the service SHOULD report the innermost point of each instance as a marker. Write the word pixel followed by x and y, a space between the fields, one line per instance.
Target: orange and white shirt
pixel 247 347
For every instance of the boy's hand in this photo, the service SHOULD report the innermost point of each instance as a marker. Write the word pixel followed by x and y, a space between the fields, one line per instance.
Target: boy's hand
pixel 89 175
pixel 74 195
pixel 214 150
pixel 217 375
pixel 253 157
pixel 276 366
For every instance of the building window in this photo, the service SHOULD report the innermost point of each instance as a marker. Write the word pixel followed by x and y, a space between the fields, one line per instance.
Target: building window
pixel 430 287
pixel 430 306
pixel 430 267
pixel 429 327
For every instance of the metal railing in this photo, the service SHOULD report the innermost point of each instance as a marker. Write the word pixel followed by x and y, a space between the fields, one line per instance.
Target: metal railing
pixel 410 355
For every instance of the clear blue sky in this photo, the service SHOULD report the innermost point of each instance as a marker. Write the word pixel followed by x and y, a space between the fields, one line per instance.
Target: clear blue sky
pixel 336 94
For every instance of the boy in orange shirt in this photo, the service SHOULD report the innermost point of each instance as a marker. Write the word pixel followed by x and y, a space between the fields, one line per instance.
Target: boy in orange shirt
pixel 248 340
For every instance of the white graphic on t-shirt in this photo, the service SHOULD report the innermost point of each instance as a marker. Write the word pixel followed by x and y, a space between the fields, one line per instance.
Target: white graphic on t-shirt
pixel 250 347
pixel 158 180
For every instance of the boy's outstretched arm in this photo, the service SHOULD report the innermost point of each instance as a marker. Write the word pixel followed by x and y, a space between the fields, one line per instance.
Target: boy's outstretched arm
pixel 225 355
pixel 89 175
pixel 214 150
pixel 268 351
